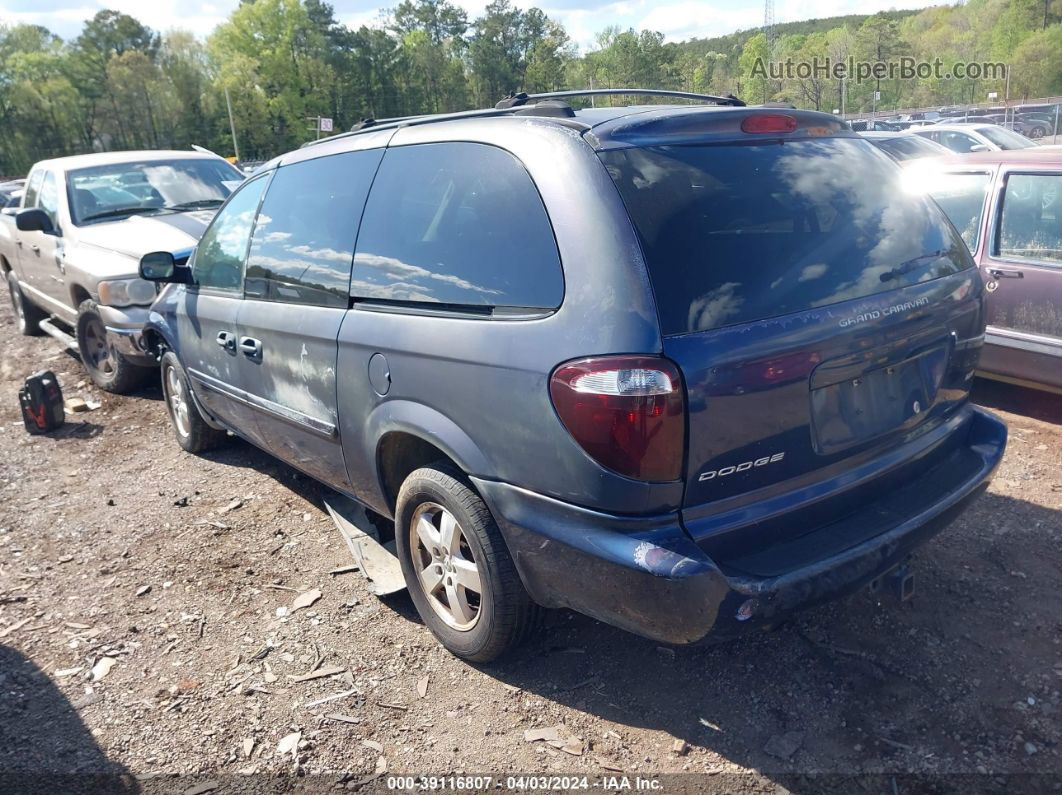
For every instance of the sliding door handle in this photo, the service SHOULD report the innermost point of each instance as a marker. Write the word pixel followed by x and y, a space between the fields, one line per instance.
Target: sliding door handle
pixel 251 347
pixel 227 340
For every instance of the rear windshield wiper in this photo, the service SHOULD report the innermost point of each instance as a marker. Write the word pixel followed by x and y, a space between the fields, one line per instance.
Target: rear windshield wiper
pixel 199 204
pixel 911 264
pixel 119 211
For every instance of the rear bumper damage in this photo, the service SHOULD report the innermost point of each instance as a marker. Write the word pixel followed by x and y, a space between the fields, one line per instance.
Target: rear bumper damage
pixel 645 574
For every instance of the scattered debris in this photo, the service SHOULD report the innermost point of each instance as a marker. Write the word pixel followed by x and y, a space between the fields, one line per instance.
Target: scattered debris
pixel 558 737
pixel 680 748
pixel 345 569
pixel 69 672
pixel 326 699
pixel 785 745
pixel 319 674
pixel 341 718
pixel 75 405
pixel 102 668
pixel 232 506
pixel 289 744
pixel 12 627
pixel 399 707
pixel 373 745
pixel 305 599
pixel 422 686
pixel 248 747
pixel 205 786
pixel 143 590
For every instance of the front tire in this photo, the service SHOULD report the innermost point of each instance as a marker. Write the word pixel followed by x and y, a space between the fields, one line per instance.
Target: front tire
pixel 192 432
pixel 107 368
pixel 27 316
pixel 457 567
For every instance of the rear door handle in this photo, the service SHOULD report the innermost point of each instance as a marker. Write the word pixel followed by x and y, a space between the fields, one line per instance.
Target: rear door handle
pixel 35 249
pixel 251 347
pixel 227 341
pixel 999 273
pixel 18 243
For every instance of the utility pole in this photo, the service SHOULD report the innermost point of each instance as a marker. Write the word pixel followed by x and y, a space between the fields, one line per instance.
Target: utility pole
pixel 232 125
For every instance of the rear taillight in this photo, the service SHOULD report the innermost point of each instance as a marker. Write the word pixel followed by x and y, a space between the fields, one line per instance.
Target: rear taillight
pixel 627 412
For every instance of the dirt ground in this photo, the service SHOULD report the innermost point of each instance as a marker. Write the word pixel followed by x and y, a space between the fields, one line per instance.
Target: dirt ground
pixel 183 571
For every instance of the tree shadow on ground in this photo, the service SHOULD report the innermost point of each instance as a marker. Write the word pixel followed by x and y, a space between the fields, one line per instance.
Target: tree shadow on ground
pixel 44 746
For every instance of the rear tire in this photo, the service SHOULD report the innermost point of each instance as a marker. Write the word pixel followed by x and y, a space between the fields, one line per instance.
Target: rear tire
pixel 27 316
pixel 457 567
pixel 192 432
pixel 107 368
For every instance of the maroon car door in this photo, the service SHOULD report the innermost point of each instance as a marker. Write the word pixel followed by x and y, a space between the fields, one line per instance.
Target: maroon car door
pixel 1022 268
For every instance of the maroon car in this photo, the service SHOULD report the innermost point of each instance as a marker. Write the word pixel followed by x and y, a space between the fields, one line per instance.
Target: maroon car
pixel 1008 207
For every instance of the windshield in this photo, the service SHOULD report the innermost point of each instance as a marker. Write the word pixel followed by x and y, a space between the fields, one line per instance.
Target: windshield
pixel 118 190
pixel 738 233
pixel 1004 138
pixel 910 146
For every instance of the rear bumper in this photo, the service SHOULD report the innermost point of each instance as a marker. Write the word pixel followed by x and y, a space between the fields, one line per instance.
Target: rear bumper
pixel 645 575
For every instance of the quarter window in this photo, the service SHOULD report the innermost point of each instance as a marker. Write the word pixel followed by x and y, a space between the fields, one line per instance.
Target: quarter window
pixel 1031 223
pixel 957 141
pixel 303 241
pixel 221 252
pixel 456 224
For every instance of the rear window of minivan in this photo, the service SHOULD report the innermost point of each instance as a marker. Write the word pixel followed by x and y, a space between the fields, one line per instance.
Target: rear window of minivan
pixel 736 233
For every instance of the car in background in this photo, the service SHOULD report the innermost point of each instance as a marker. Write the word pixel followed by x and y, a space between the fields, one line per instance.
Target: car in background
pixel 684 369
pixel 1007 206
pixel 903 146
pixel 10 205
pixel 70 253
pixel 864 125
pixel 963 138
pixel 9 188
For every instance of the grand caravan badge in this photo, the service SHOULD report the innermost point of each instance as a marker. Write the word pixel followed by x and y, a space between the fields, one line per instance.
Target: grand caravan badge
pixel 742 467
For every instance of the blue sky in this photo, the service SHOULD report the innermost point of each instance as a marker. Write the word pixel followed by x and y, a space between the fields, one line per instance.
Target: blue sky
pixel 677 19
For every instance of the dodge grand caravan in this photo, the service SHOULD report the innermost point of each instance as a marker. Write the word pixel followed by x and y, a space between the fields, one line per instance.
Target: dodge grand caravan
pixel 685 369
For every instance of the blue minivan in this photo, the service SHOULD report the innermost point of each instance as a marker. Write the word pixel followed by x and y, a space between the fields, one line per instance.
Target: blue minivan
pixel 685 368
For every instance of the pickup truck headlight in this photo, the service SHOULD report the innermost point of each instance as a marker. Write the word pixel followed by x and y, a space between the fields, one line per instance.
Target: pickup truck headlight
pixel 126 292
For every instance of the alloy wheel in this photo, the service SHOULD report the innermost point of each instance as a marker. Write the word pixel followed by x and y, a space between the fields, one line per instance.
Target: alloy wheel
pixel 177 401
pixel 97 349
pixel 446 566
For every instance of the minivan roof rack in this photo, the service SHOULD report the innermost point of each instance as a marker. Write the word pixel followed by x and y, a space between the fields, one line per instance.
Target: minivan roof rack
pixel 522 104
pixel 515 100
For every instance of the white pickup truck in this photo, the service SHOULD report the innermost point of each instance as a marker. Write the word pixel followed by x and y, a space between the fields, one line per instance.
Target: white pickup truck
pixel 71 251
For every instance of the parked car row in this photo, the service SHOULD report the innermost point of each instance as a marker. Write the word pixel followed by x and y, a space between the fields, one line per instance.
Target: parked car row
pixel 70 251
pixel 684 369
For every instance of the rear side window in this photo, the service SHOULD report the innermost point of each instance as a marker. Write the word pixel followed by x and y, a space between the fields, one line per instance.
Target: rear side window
pixel 909 147
pixel 457 224
pixel 1031 224
pixel 303 242
pixel 33 187
pixel 962 198
pixel 738 233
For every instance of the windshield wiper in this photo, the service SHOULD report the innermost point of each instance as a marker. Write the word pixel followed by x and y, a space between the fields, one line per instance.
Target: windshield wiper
pixel 911 264
pixel 199 204
pixel 119 211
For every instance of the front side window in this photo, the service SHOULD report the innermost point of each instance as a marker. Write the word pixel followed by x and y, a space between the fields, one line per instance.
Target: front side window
pixel 218 261
pixel 49 198
pixel 33 187
pixel 1030 226
pixel 962 198
pixel 742 232
pixel 303 241
pixel 457 224
pixel 957 141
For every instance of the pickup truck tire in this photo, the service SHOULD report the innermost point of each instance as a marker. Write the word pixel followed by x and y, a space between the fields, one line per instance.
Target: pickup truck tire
pixel 192 432
pixel 446 539
pixel 27 315
pixel 109 370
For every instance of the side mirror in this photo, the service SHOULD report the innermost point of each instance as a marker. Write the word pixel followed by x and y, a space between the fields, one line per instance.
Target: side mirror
pixel 160 266
pixel 34 220
pixel 980 148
